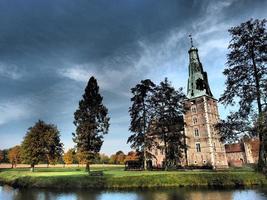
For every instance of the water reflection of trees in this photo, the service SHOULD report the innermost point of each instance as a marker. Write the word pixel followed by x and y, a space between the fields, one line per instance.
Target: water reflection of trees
pixel 156 194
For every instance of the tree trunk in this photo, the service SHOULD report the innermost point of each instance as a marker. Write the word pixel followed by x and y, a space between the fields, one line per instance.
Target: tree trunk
pixel 166 152
pixel 145 132
pixel 87 168
pixel 145 159
pixel 260 130
pixel 261 161
pixel 32 167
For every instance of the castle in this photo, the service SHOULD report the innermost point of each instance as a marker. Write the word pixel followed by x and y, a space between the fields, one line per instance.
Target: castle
pixel 202 139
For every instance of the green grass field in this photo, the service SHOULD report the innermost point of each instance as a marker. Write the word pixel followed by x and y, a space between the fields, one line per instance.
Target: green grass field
pixel 116 177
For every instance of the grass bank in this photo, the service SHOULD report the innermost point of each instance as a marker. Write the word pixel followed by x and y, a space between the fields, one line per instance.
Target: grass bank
pixel 116 177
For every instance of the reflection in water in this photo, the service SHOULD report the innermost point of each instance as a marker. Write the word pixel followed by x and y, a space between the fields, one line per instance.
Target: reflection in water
pixel 8 193
pixel 211 195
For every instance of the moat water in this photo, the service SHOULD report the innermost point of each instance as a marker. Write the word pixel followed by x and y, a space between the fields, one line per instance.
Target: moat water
pixel 9 193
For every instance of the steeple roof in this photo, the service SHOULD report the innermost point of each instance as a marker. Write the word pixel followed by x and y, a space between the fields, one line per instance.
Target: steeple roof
pixel 198 84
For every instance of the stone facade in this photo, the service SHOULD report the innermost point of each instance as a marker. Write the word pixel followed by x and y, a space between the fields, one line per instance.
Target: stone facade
pixel 204 146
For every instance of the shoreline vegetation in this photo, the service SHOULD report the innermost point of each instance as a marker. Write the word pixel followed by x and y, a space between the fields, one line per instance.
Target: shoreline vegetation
pixel 116 178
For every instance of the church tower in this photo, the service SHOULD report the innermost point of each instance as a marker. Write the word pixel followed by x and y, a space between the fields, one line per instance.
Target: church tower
pixel 203 140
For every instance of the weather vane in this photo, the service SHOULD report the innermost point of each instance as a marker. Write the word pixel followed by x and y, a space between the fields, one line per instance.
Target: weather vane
pixel 191 40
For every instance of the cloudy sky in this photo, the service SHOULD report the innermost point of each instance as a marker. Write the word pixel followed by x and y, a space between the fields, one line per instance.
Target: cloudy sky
pixel 49 49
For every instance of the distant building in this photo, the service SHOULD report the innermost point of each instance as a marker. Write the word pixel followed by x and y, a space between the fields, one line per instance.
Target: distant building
pixel 242 153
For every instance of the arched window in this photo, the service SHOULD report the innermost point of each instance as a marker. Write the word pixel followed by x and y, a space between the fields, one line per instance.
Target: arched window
pixel 193 109
pixel 196 132
pixel 194 120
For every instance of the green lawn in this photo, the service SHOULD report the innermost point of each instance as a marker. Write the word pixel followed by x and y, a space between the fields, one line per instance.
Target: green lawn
pixel 116 177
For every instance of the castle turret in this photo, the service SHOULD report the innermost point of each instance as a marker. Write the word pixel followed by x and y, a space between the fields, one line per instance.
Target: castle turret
pixel 198 84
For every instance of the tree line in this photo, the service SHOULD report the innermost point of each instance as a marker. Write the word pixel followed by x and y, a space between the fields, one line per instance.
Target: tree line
pixel 157 111
pixel 71 156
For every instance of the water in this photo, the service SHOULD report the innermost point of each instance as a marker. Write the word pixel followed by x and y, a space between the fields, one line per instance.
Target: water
pixel 8 193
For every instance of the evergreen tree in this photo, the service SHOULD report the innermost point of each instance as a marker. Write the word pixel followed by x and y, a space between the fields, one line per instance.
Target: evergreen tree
pixel 141 117
pixel 246 74
pixel 91 121
pixel 41 143
pixel 169 109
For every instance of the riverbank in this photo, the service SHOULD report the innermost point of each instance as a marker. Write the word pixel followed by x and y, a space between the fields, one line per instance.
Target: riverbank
pixel 116 177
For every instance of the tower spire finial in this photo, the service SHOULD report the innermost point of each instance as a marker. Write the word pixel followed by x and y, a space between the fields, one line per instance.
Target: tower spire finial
pixel 191 40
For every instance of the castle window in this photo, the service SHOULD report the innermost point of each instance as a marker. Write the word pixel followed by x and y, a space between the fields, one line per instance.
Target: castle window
pixel 194 120
pixel 198 147
pixel 196 132
pixel 193 109
pixel 162 151
pixel 214 147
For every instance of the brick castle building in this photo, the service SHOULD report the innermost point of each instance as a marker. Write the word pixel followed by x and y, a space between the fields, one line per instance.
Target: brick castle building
pixel 203 141
pixel 243 153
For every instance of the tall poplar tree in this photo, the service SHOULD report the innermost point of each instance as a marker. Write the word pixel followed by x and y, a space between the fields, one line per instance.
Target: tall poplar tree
pixel 246 81
pixel 91 121
pixel 169 126
pixel 141 118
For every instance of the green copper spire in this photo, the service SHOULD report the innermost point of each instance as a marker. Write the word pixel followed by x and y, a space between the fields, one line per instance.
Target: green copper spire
pixel 198 80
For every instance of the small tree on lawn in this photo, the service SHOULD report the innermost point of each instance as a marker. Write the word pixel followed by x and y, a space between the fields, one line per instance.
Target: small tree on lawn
pixel 38 146
pixel 69 157
pixel 14 155
pixel 91 121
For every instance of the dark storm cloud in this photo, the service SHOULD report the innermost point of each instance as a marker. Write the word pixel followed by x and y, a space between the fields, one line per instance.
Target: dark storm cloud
pixel 48 50
pixel 83 30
